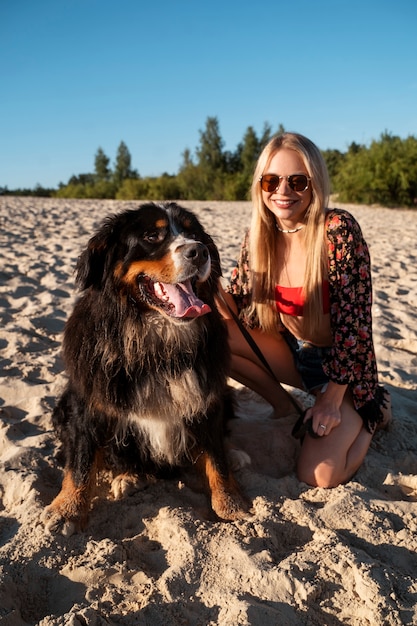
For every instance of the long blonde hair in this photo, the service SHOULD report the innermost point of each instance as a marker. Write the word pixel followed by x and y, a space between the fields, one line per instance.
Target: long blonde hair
pixel 263 236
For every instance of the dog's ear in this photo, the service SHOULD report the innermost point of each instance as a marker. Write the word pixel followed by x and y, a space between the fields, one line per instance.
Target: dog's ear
pixel 94 260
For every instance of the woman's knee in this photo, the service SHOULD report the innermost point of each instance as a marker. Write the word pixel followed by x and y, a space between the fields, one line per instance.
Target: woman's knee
pixel 322 474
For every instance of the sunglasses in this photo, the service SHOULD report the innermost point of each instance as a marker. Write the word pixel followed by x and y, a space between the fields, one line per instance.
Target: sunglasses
pixel 297 182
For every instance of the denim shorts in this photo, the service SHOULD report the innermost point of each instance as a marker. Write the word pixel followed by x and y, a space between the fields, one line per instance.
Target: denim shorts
pixel 308 360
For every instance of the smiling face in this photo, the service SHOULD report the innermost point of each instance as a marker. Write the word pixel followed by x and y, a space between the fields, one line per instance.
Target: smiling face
pixel 288 206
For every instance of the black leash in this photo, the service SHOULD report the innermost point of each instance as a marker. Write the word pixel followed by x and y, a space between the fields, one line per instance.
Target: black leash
pixel 300 427
pixel 256 349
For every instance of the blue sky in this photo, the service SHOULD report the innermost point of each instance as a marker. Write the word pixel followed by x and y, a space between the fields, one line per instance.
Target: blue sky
pixel 81 74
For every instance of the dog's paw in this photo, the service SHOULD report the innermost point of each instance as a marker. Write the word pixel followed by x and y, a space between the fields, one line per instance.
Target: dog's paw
pixel 230 506
pixel 125 485
pixel 238 459
pixel 56 524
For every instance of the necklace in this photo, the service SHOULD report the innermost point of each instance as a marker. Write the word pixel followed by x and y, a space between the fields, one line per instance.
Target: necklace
pixel 290 230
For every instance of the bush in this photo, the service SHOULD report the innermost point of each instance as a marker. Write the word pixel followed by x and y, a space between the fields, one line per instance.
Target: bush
pixel 164 187
pixel 133 189
pixel 385 173
pixel 72 191
pixel 100 190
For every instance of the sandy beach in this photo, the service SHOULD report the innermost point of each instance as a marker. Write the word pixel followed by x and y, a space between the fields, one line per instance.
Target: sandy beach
pixel 307 556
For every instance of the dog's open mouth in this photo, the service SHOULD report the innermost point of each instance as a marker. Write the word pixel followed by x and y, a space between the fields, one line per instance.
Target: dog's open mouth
pixel 178 300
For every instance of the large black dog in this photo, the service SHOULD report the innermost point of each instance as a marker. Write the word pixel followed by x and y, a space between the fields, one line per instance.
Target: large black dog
pixel 147 359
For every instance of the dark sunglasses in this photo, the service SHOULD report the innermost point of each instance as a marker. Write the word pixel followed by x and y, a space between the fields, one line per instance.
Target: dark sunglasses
pixel 297 182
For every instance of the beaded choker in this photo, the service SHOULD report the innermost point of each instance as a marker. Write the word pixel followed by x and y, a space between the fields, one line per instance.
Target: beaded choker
pixel 290 230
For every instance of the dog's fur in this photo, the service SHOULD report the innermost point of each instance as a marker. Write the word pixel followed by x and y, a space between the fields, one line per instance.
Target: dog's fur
pixel 147 359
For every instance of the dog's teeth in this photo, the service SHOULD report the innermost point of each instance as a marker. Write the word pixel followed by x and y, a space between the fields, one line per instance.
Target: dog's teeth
pixel 160 292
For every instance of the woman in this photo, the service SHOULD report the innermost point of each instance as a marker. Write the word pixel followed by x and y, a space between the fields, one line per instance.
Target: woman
pixel 302 287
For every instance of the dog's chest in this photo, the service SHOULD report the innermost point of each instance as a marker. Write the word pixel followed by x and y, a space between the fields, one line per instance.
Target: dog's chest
pixel 162 423
pixel 171 389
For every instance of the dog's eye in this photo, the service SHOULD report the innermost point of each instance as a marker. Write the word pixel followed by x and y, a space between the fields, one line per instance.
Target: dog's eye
pixel 189 235
pixel 154 236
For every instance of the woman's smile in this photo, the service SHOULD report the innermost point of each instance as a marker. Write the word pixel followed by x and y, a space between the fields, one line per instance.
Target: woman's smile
pixel 283 204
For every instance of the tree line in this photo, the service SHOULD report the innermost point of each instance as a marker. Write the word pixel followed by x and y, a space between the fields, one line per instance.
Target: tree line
pixel 384 172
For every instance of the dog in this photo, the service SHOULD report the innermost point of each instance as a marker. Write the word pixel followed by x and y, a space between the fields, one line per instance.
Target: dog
pixel 146 354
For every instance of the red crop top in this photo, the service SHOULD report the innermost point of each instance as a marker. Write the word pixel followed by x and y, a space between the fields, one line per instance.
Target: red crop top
pixel 290 301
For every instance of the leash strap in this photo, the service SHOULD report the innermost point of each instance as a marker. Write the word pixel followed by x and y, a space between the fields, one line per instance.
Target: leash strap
pixel 256 349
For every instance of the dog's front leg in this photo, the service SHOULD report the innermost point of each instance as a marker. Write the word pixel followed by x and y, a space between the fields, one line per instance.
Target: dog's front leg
pixel 68 512
pixel 226 499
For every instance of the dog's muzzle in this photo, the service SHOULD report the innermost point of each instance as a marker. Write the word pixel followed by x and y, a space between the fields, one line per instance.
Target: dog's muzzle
pixel 179 300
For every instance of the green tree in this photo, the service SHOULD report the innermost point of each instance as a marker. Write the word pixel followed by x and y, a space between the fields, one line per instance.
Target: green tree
pixel 133 189
pixel 334 160
pixel 101 165
pixel 250 151
pixel 383 173
pixel 195 180
pixel 73 190
pixel 239 180
pixel 81 179
pixel 123 165
pixel 210 152
pixel 189 178
pixel 211 163
pixel 165 187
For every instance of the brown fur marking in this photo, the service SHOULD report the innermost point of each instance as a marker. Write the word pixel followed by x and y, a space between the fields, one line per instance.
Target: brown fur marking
pixel 226 500
pixel 161 270
pixel 73 503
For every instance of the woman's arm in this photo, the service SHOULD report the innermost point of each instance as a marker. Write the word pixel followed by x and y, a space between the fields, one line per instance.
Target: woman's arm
pixel 352 360
pixel 352 354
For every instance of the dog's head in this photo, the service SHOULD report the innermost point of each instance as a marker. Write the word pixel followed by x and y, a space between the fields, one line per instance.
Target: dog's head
pixel 158 256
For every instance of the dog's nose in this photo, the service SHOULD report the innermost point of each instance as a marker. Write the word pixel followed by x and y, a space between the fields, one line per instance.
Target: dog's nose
pixel 196 252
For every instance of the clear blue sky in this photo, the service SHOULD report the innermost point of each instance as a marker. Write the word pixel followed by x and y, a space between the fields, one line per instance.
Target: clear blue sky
pixel 81 74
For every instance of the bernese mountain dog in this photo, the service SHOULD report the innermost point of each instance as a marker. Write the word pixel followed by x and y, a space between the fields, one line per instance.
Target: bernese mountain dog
pixel 146 354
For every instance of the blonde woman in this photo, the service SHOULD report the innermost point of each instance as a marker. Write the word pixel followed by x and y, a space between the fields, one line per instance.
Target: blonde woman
pixel 302 287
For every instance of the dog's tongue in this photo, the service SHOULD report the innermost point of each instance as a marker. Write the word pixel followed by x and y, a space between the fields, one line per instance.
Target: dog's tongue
pixel 184 300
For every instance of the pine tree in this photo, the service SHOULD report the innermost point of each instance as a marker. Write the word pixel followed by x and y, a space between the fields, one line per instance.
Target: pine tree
pixel 101 165
pixel 210 153
pixel 123 164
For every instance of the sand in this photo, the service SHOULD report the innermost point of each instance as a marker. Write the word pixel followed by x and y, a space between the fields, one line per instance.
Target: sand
pixel 307 556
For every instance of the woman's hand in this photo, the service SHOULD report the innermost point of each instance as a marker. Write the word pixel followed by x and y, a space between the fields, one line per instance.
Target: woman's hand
pixel 325 413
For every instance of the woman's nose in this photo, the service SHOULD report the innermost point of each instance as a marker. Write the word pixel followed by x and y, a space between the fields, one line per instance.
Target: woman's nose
pixel 283 186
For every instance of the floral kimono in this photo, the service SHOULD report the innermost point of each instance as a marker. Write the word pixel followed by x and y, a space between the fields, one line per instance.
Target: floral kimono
pixel 351 360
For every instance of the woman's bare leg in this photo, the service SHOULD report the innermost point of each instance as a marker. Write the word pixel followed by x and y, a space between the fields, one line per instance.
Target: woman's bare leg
pixel 325 462
pixel 256 378
pixel 334 458
pixel 248 369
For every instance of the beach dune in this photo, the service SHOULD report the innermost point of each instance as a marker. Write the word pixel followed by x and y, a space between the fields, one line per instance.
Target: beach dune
pixel 305 557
